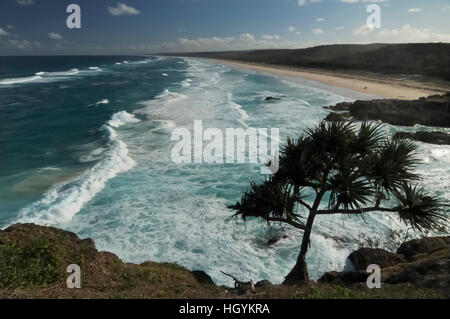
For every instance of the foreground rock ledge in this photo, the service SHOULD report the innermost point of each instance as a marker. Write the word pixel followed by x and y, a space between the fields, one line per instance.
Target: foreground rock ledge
pixel 33 261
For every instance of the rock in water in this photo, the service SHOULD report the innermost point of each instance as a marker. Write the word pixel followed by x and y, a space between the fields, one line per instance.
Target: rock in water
pixel 270 98
pixel 430 111
pixel 436 137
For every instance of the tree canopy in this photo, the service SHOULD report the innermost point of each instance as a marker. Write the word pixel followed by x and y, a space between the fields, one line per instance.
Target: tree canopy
pixel 336 168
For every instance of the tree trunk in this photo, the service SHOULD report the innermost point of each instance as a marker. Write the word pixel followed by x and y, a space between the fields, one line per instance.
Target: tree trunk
pixel 299 274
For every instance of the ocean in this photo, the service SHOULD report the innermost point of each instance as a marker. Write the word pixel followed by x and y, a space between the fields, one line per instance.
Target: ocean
pixel 85 145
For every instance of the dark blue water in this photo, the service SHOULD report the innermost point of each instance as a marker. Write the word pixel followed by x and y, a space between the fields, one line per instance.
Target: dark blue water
pixel 47 122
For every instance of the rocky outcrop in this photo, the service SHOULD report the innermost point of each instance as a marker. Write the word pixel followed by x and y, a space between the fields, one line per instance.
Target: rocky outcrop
pixel 337 117
pixel 423 246
pixel 367 256
pixel 202 277
pixel 429 111
pixel 436 137
pixel 272 241
pixel 344 277
pixel 270 98
pixel 422 262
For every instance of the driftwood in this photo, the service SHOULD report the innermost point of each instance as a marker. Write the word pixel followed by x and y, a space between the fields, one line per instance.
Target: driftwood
pixel 241 286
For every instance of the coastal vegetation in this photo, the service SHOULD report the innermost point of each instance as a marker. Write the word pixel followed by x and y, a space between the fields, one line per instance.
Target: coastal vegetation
pixel 335 168
pixel 427 59
pixel 34 260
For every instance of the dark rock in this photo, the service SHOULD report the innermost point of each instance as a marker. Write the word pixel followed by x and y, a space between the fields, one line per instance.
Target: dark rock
pixel 202 277
pixel 344 277
pixel 424 246
pixel 429 111
pixel 436 137
pixel 428 273
pixel 367 256
pixel 337 117
pixel 270 98
pixel 263 283
pixel 275 240
pixel 344 106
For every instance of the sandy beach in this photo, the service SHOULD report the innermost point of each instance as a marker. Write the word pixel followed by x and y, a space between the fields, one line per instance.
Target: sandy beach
pixel 388 87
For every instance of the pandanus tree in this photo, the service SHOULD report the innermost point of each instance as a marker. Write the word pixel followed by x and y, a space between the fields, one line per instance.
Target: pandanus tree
pixel 336 168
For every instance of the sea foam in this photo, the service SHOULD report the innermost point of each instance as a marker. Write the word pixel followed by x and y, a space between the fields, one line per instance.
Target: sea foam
pixel 64 200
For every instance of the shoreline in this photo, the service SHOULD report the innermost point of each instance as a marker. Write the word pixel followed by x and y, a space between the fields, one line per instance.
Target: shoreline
pixel 368 84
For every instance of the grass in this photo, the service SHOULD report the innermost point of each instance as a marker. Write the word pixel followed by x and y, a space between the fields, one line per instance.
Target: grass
pixel 33 262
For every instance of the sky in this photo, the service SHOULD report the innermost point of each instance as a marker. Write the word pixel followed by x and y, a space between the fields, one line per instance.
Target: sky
pixel 38 27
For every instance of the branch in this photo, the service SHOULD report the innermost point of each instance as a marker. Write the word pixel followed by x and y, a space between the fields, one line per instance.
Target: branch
pixel 303 203
pixel 290 222
pixel 357 211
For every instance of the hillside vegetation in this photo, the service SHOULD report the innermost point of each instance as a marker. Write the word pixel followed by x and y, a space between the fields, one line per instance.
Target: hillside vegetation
pixel 427 59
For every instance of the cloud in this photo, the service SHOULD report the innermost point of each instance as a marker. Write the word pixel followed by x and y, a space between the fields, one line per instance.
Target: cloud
pixel 10 26
pixel 408 33
pixel 414 10
pixel 340 28
pixel 245 41
pixel 317 31
pixel 362 30
pixel 122 9
pixel 24 44
pixel 54 36
pixel 247 37
pixel 270 37
pixel 320 19
pixel 291 29
pixel 303 2
pixel 365 1
pixel 3 33
pixel 25 3
pixel 404 34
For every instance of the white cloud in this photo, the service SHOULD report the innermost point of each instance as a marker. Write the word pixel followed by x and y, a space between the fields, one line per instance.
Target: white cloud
pixel 55 36
pixel 340 28
pixel 245 41
pixel 122 9
pixel 291 29
pixel 414 10
pixel 303 2
pixel 270 37
pixel 404 34
pixel 366 1
pixel 317 31
pixel 320 19
pixel 24 44
pixel 362 30
pixel 3 33
pixel 408 33
pixel 10 26
pixel 247 37
pixel 25 2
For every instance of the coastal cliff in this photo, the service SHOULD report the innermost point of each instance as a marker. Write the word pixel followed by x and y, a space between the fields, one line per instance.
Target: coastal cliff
pixel 33 262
